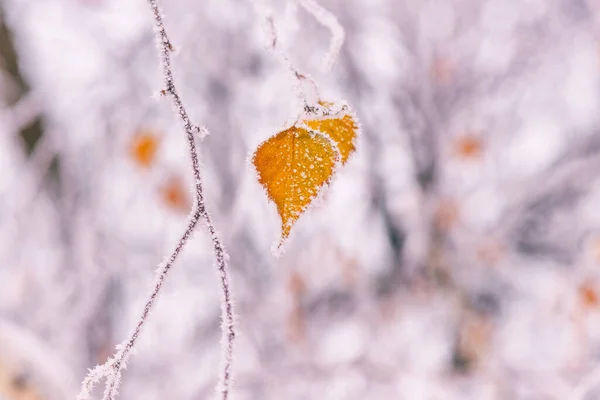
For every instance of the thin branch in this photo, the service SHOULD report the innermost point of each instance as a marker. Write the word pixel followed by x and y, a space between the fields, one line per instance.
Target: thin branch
pixel 324 17
pixel 227 313
pixel 274 46
pixel 113 368
pixel 328 20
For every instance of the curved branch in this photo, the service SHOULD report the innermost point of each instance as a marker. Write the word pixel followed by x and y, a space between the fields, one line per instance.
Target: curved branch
pixel 113 368
pixel 328 20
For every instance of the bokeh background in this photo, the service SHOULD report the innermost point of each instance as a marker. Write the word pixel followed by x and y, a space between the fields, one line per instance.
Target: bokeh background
pixel 455 256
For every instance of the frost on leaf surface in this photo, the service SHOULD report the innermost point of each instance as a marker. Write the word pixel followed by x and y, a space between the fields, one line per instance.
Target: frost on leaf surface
pixel 341 127
pixel 293 166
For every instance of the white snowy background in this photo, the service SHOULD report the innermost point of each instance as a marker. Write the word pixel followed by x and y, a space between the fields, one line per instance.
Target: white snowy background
pixel 456 256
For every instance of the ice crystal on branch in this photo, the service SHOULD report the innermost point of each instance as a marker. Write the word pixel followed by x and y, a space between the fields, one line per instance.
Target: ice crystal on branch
pixel 112 369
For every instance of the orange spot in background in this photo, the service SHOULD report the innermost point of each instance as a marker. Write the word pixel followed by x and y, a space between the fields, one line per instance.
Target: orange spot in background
pixel 143 149
pixel 468 147
pixel 296 284
pixel 16 384
pixel 446 215
pixel 588 295
pixel 296 326
pixel 475 338
pixel 175 195
pixel 296 323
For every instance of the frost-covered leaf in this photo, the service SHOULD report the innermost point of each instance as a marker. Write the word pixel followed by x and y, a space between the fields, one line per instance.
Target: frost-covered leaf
pixel 293 166
pixel 340 125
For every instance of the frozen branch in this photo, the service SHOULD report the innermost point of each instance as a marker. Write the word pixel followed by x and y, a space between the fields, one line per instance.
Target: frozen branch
pixel 274 46
pixel 328 20
pixel 324 17
pixel 113 368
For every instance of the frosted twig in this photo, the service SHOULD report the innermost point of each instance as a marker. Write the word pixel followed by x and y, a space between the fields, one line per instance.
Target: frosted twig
pixel 275 47
pixel 327 19
pixel 227 313
pixel 113 367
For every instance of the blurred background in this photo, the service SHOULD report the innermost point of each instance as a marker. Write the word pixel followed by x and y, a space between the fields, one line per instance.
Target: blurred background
pixel 455 256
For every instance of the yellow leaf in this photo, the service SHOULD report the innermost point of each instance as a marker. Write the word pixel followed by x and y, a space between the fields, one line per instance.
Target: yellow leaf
pixel 293 166
pixel 341 127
